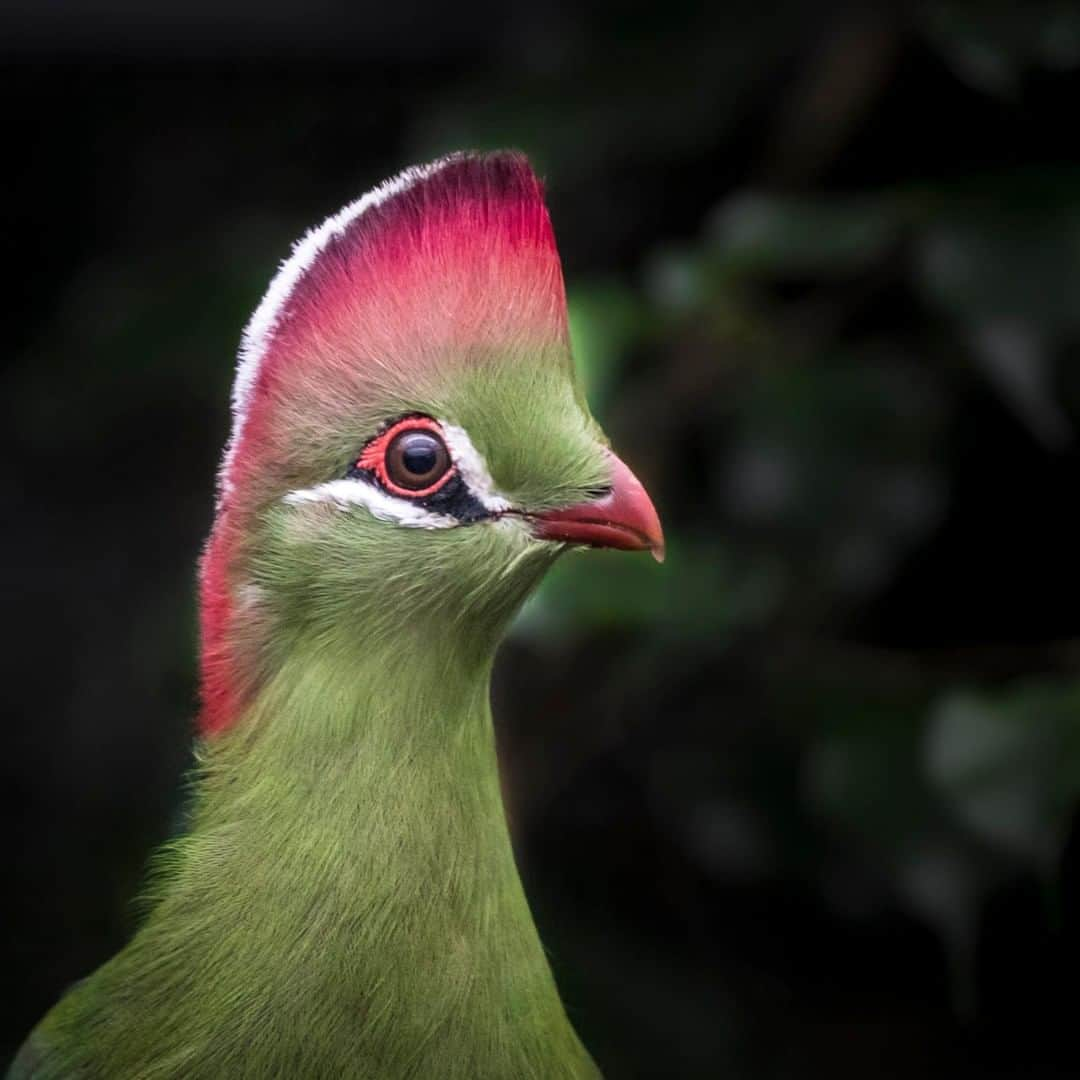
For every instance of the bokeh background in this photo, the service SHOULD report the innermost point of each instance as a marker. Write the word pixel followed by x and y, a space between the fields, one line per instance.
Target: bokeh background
pixel 803 802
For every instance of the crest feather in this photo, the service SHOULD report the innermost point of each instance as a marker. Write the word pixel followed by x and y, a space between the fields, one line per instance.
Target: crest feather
pixel 458 250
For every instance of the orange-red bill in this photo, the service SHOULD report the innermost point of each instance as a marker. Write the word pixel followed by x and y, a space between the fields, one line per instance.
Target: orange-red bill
pixel 624 518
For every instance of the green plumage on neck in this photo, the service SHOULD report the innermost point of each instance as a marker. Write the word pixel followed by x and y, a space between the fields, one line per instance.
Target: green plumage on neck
pixel 346 904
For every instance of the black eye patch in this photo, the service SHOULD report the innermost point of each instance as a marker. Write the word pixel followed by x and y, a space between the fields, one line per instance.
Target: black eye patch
pixel 453 499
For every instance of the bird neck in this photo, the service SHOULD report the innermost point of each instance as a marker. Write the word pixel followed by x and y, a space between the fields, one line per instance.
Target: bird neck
pixel 348 887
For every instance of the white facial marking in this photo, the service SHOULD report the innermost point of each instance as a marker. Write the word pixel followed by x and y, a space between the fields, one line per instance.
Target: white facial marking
pixel 473 468
pixel 259 332
pixel 349 492
pixel 346 493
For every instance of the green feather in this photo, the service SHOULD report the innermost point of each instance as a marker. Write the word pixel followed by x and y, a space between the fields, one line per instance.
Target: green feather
pixel 346 902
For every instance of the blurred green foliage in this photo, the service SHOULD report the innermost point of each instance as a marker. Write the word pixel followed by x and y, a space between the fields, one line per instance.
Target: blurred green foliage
pixel 824 462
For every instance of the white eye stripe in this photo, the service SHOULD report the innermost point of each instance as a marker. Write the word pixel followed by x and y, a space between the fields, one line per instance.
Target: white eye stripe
pixel 472 468
pixel 348 492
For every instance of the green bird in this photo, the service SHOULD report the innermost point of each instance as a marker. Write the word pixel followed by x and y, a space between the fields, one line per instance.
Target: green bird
pixel 410 452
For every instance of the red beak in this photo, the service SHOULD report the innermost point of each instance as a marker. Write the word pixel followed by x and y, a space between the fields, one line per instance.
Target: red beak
pixel 624 518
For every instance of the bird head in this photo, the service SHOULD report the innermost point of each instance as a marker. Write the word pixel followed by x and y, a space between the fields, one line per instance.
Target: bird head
pixel 411 447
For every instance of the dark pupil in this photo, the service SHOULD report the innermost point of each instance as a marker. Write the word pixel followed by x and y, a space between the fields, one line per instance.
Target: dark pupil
pixel 419 455
pixel 416 459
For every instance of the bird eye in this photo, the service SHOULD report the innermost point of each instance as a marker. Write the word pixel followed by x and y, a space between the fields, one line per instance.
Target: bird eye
pixel 409 458
pixel 416 460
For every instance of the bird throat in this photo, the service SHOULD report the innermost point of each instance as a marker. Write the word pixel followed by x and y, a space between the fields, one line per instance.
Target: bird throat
pixel 346 902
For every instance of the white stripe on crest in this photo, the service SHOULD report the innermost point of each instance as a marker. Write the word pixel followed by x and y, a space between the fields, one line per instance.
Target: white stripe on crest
pixel 259 332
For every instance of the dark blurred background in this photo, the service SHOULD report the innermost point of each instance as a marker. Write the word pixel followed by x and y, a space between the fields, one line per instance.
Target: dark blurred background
pixel 801 803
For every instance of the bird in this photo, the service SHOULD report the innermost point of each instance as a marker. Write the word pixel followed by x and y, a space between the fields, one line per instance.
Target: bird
pixel 411 450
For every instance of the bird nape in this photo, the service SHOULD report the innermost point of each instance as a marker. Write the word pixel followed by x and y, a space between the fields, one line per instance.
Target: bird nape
pixel 411 450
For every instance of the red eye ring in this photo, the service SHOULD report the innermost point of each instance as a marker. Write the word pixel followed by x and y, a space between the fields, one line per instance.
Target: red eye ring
pixel 373 458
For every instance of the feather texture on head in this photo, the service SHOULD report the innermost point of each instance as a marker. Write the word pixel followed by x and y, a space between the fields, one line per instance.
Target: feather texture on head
pixel 450 264
pixel 457 252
